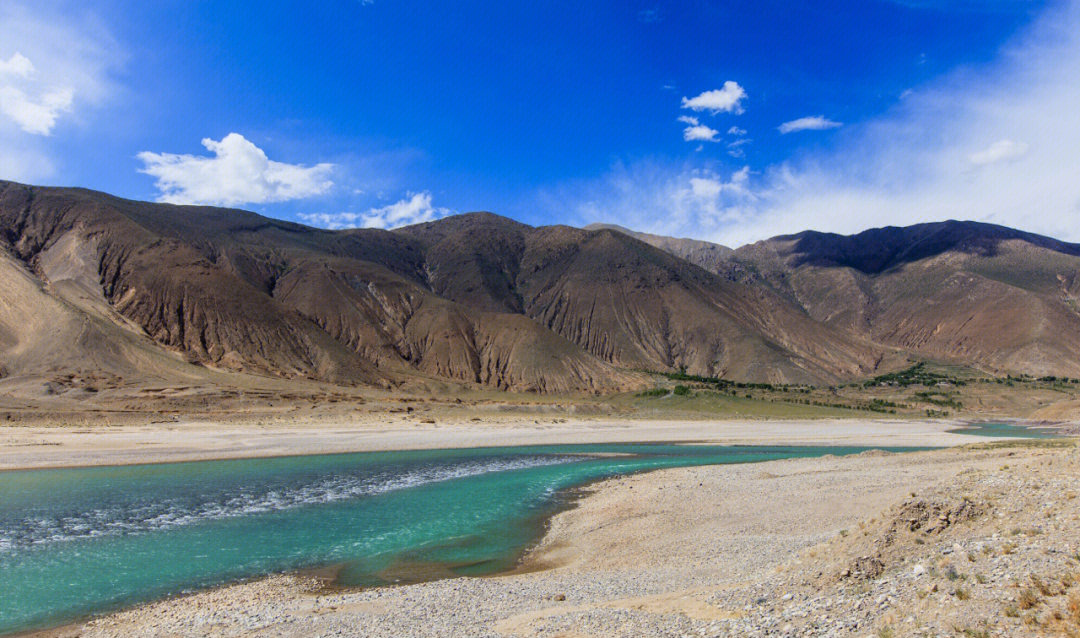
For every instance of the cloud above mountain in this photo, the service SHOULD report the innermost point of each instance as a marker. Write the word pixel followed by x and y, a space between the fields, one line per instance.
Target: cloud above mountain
pixel 995 143
pixel 239 172
pixel 53 66
pixel 31 104
pixel 415 208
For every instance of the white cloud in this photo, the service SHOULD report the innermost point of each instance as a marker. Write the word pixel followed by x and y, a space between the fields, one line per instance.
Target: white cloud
pixel 333 221
pixel 725 100
pixel 736 131
pixel 700 133
pixel 31 104
pixel 414 209
pixel 932 157
pixel 709 188
pixel 810 123
pixel 651 197
pixel 689 119
pixel 999 151
pixel 238 173
pixel 53 64
pixel 18 66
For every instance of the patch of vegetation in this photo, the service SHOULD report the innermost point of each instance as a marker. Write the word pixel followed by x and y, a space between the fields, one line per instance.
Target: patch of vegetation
pixel 1027 379
pixel 939 398
pixel 729 384
pixel 917 374
pixel 681 391
pixel 881 405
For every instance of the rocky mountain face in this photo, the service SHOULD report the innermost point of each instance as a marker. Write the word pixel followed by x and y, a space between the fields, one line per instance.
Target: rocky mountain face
pixel 975 294
pixel 710 256
pixel 475 298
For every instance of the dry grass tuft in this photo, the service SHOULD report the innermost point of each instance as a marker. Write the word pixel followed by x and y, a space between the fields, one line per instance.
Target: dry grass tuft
pixel 1029 599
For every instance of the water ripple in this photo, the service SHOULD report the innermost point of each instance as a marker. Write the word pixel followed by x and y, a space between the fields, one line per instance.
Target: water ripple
pixel 139 517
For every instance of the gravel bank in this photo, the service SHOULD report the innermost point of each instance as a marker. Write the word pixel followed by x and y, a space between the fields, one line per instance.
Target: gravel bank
pixel 28 446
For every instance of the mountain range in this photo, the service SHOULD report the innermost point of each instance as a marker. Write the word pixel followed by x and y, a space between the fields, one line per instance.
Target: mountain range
pixel 95 285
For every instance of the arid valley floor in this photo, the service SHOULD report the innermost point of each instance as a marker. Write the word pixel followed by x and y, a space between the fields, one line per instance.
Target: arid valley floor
pixel 979 539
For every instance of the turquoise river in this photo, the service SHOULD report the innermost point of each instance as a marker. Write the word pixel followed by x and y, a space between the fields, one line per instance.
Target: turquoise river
pixel 81 541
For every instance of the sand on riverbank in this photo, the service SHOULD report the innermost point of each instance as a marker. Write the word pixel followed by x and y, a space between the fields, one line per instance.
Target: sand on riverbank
pixel 28 446
pixel 823 546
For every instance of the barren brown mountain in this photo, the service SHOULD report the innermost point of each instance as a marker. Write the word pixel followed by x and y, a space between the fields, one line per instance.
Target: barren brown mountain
pixel 995 298
pixel 115 289
pixel 98 285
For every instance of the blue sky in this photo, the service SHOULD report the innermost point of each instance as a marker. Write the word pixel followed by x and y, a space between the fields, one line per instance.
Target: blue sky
pixel 730 121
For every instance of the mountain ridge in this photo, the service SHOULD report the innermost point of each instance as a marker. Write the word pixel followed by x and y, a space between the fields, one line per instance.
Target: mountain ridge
pixel 484 300
pixel 965 292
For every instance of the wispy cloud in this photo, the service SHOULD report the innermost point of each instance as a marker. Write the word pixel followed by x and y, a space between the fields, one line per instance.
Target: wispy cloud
pixel 238 173
pixel 653 196
pixel 809 123
pixel 51 66
pixel 735 148
pixel 999 151
pixel 995 143
pixel 723 100
pixel 416 208
pixel 29 102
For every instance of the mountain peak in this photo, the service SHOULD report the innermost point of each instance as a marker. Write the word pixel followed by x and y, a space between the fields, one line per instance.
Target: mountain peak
pixel 879 249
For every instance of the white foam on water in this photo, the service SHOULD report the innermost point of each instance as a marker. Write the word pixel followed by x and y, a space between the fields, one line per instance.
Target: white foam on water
pixel 171 513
